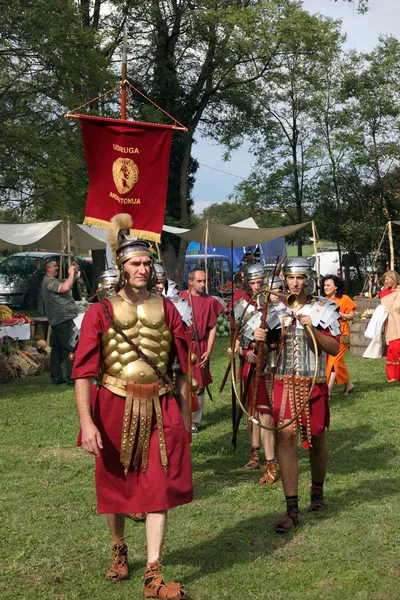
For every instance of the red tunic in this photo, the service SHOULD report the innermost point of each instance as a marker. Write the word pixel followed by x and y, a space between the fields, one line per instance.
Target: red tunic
pixel 386 292
pixel 206 310
pixel 319 407
pixel 238 295
pixel 154 490
pixel 319 403
pixel 263 403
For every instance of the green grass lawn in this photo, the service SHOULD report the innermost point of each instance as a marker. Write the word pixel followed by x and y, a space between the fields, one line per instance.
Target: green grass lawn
pixel 222 546
pixel 308 249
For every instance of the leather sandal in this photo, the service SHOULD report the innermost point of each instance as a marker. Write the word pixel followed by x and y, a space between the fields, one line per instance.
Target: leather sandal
pixel 156 587
pixel 255 459
pixel 270 472
pixel 138 516
pixel 318 505
pixel 119 569
pixel 287 520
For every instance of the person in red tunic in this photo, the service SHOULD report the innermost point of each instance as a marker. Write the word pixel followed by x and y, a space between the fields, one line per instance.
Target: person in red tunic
pixel 205 311
pixel 128 342
pixel 390 298
pixel 261 406
pixel 294 372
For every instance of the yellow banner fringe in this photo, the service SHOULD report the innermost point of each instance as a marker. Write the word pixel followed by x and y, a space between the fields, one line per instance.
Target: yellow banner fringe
pixel 135 233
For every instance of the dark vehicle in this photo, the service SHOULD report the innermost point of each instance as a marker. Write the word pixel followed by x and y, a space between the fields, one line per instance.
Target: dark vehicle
pixel 21 278
pixel 218 267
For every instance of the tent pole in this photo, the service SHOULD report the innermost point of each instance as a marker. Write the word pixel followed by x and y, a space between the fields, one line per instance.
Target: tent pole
pixel 314 230
pixel 69 241
pixel 390 233
pixel 159 253
pixel 60 270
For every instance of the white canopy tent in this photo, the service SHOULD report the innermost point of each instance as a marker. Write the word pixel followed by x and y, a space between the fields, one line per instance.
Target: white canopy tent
pixel 245 233
pixel 48 236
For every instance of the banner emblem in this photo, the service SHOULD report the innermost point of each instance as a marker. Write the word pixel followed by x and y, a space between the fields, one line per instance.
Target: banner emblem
pixel 125 174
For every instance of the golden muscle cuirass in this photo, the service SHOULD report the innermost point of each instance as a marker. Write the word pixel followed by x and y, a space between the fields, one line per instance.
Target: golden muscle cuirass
pixel 145 326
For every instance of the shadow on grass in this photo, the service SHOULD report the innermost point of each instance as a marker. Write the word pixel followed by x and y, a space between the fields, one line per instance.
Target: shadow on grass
pixel 254 537
pixel 239 544
pixel 351 450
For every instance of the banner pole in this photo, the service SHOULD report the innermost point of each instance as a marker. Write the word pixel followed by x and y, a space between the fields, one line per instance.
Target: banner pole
pixel 69 241
pixel 123 75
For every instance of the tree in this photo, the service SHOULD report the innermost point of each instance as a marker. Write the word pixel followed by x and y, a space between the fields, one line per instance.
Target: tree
pixel 202 62
pixel 48 63
pixel 286 153
pixel 362 5
pixel 357 115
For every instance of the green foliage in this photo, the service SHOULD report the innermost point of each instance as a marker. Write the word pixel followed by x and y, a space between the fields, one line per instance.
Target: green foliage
pixel 362 5
pixel 327 145
pixel 49 63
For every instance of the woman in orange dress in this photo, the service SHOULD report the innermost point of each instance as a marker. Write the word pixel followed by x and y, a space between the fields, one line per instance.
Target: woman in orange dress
pixel 336 370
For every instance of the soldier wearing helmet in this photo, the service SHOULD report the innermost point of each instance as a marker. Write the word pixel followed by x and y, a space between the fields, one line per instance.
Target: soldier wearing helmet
pixel 131 422
pixel 255 282
pixel 106 283
pixel 294 372
pixel 164 286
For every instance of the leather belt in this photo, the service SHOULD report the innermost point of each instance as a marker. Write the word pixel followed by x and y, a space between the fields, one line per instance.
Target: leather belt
pixel 120 385
pixel 297 378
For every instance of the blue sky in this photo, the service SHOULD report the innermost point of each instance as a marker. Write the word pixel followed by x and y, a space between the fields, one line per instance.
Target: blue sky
pixel 362 33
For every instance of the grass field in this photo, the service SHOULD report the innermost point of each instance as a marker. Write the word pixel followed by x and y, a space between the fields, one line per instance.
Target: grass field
pixel 55 547
pixel 308 249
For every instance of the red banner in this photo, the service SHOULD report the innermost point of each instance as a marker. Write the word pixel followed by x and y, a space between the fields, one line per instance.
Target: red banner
pixel 128 166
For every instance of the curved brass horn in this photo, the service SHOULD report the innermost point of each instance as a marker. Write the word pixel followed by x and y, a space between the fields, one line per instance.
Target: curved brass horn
pixel 292 300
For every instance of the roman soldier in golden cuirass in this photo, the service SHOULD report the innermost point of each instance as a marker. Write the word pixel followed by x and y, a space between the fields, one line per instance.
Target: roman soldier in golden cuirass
pixel 134 424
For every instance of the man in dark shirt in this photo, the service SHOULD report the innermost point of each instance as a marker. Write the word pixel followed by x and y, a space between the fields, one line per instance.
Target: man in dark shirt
pixel 60 311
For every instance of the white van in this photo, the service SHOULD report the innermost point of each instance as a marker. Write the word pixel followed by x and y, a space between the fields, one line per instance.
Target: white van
pixel 328 263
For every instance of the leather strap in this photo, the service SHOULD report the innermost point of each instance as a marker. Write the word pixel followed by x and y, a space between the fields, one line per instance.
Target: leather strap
pixel 136 348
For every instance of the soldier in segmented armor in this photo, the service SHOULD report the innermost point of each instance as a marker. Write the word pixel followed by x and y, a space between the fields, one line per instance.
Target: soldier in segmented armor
pixel 131 422
pixel 106 283
pixel 254 282
pixel 294 371
pixel 164 286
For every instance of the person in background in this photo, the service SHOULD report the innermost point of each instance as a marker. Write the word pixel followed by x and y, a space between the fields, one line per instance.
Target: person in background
pixel 60 310
pixel 205 311
pixel 391 281
pixel 106 283
pixel 390 298
pixel 261 405
pixel 336 370
pixel 164 286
